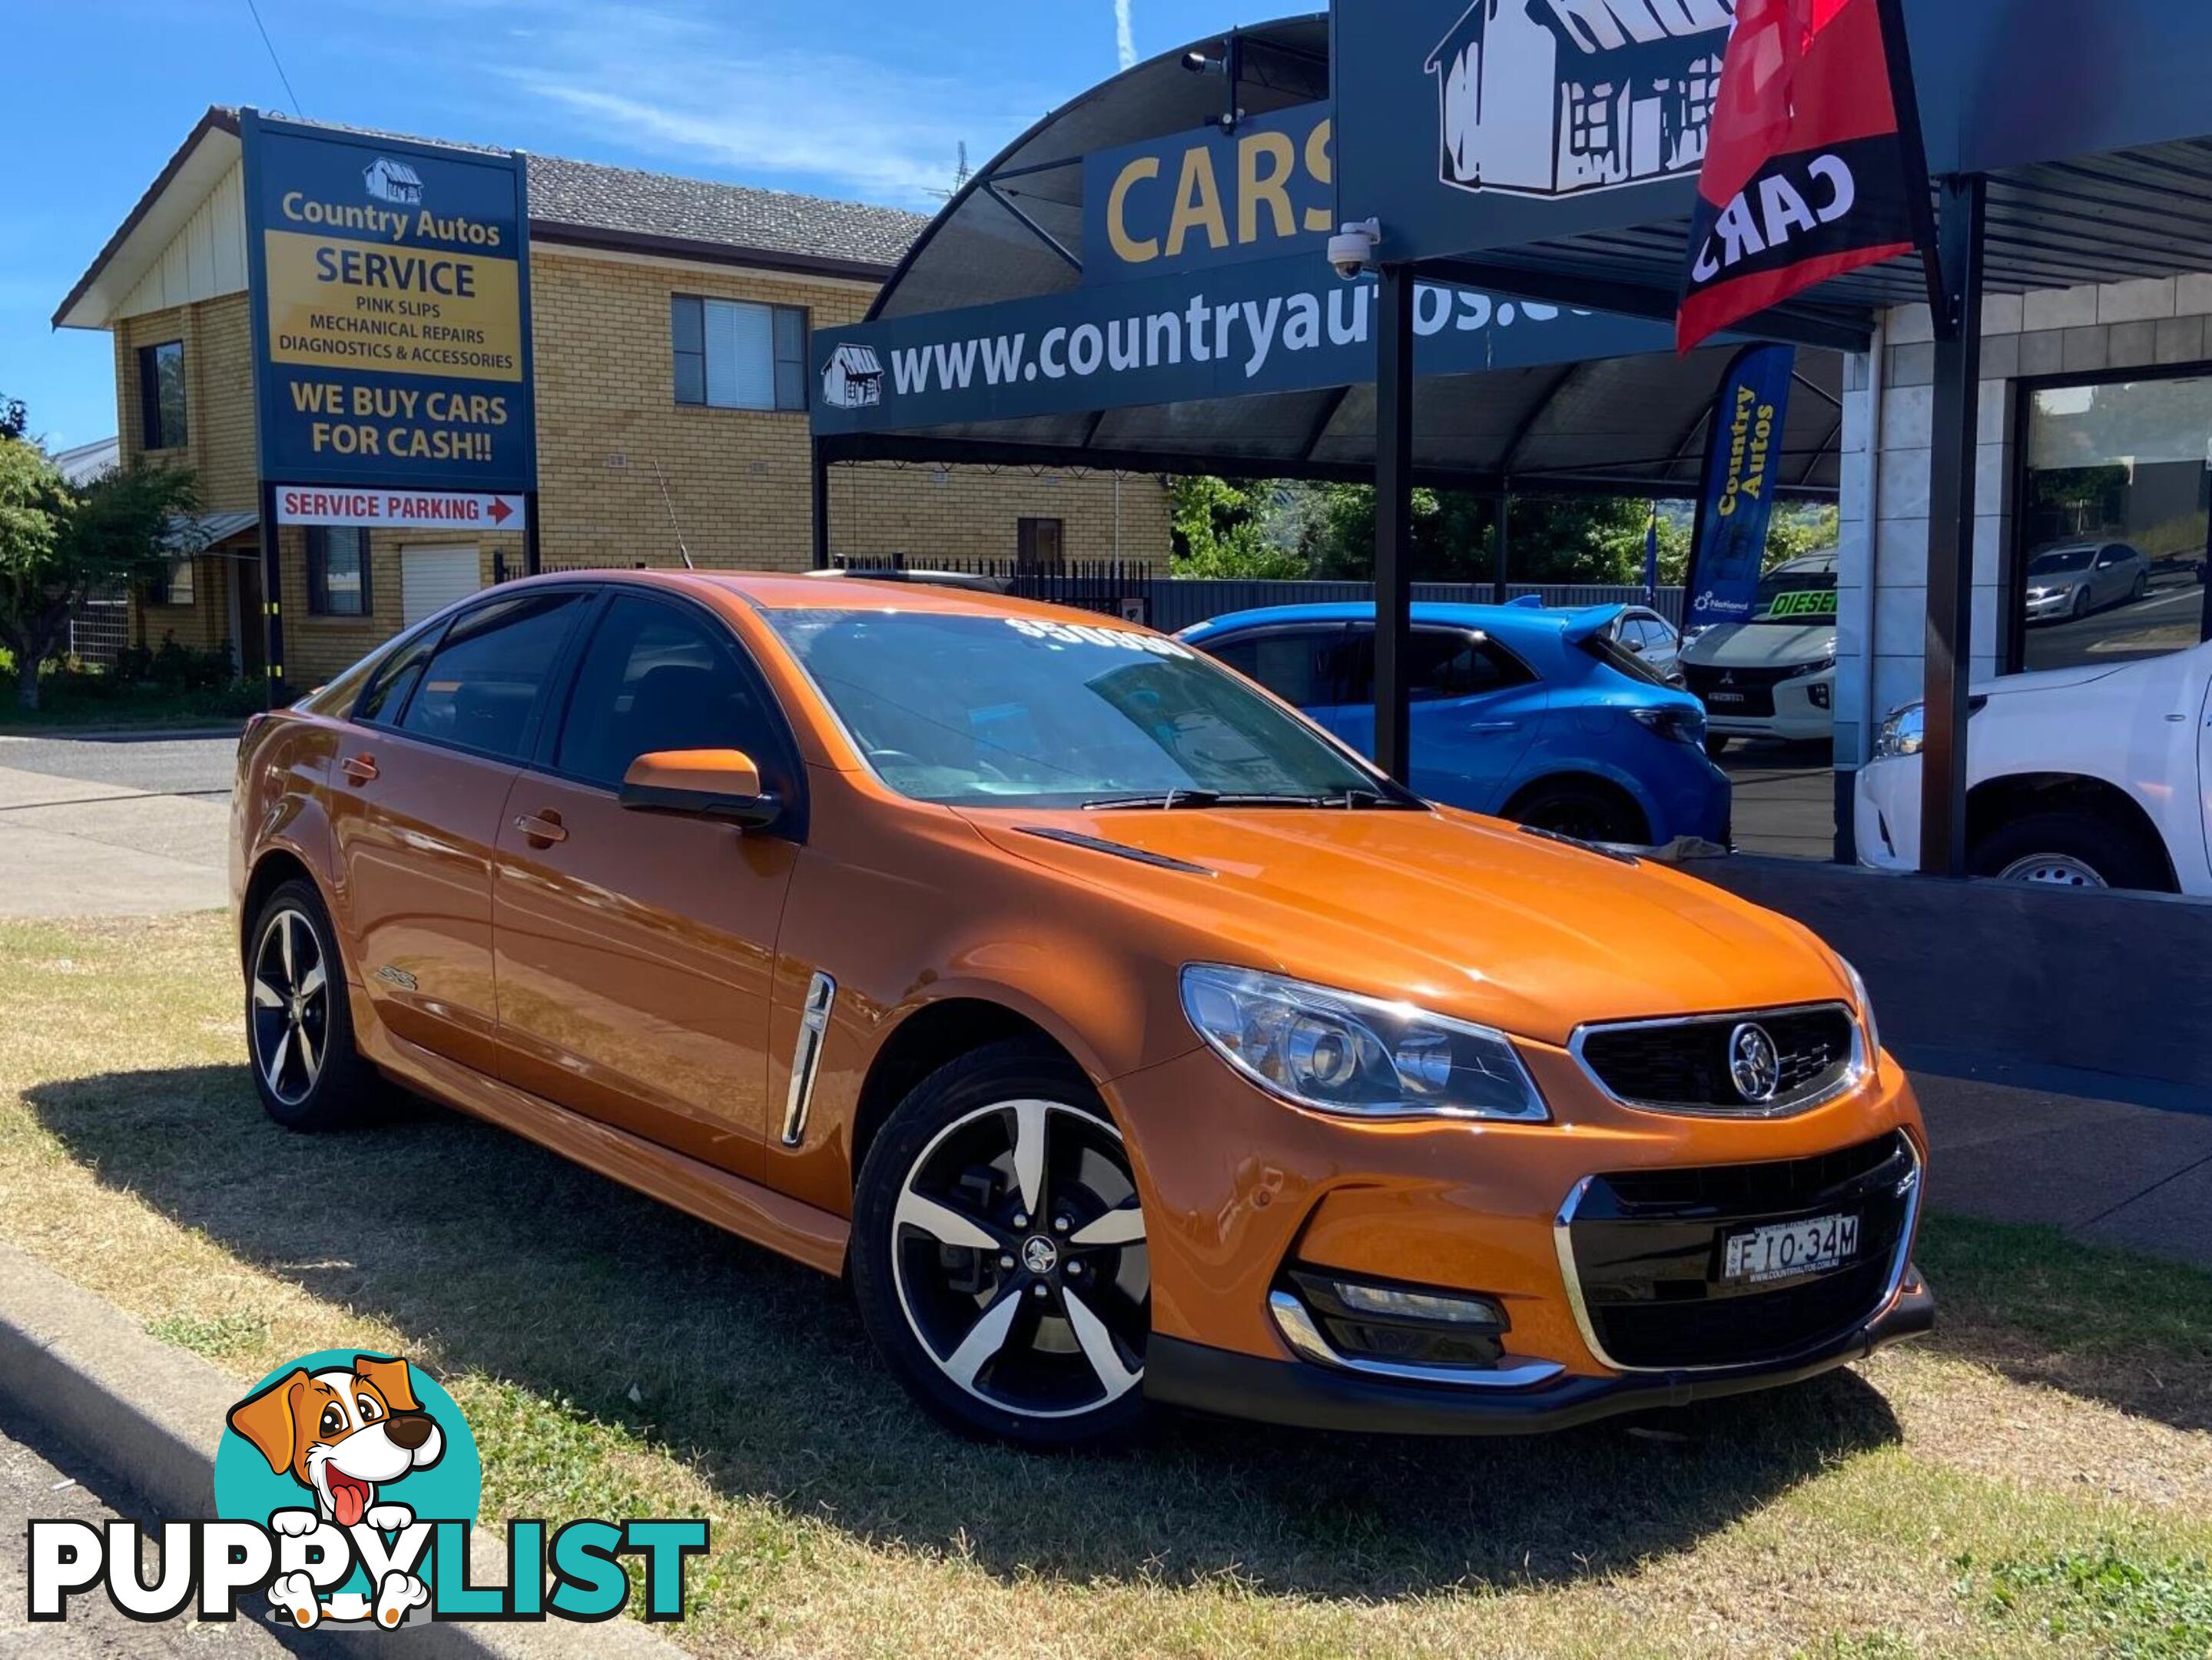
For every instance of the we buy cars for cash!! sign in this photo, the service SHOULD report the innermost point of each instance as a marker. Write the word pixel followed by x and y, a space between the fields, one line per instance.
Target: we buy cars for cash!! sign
pixel 390 299
pixel 397 509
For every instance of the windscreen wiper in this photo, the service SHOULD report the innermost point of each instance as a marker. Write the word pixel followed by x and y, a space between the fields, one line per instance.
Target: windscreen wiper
pixel 1165 801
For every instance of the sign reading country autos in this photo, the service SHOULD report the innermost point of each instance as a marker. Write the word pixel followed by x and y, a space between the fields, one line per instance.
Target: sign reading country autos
pixel 390 310
pixel 1282 325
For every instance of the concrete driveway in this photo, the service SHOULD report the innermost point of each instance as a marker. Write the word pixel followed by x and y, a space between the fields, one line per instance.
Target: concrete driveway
pixel 116 824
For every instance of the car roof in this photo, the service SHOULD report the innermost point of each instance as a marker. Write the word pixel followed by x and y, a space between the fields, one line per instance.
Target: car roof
pixel 1810 564
pixel 1491 619
pixel 770 591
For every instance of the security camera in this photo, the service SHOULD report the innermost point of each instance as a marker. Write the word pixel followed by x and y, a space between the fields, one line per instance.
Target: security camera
pixel 1352 250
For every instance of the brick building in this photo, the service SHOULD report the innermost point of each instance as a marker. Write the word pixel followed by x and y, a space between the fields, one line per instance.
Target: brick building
pixel 669 321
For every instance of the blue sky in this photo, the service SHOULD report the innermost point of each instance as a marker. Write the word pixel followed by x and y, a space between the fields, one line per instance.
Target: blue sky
pixel 865 98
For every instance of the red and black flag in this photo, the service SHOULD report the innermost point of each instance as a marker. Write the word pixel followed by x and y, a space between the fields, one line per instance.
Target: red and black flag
pixel 1813 164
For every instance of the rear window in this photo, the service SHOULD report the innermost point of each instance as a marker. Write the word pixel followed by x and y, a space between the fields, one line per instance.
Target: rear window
pixel 1615 655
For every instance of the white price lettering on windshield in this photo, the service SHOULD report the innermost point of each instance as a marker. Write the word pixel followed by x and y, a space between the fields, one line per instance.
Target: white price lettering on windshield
pixel 1086 633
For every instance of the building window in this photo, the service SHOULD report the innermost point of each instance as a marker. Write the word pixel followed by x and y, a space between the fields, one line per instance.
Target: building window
pixel 162 394
pixel 2115 501
pixel 1589 118
pixel 338 571
pixel 1038 543
pixel 732 355
pixel 171 585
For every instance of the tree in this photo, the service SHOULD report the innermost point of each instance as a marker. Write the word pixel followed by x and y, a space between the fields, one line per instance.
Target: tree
pixel 15 418
pixel 58 542
pixel 1232 527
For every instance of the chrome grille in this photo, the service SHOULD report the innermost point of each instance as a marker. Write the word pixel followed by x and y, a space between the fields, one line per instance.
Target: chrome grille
pixel 1682 1065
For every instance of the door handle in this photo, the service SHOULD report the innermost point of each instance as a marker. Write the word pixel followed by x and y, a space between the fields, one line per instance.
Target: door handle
pixel 541 829
pixel 1494 726
pixel 362 768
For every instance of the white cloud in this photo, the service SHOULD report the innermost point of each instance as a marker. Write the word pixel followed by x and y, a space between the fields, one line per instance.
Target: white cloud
pixel 680 87
pixel 1125 38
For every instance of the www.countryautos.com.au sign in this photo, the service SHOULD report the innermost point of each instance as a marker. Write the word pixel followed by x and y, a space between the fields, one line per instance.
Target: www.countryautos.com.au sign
pixel 391 298
pixel 1204 278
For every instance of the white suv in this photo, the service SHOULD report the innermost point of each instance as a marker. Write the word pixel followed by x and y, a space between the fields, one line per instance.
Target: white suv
pixel 2080 778
pixel 1772 675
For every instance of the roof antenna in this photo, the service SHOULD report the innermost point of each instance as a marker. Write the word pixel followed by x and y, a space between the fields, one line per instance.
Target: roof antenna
pixel 670 506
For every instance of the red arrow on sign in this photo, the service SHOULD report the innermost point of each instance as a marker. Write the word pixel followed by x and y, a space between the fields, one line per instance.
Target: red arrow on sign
pixel 501 513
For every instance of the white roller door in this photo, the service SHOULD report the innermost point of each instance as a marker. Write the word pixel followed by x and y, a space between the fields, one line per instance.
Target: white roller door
pixel 432 578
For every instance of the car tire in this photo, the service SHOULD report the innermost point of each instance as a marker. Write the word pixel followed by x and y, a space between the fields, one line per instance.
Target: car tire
pixel 998 1252
pixel 299 1020
pixel 2080 604
pixel 2140 590
pixel 2064 849
pixel 1715 746
pixel 1586 810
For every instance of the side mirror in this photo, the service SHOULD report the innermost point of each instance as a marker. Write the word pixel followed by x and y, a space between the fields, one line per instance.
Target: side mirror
pixel 705 783
pixel 1637 646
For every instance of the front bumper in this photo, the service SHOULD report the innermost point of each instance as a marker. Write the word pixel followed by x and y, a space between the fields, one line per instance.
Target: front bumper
pixel 2052 607
pixel 1241 1188
pixel 1796 711
pixel 1307 1396
pixel 1885 813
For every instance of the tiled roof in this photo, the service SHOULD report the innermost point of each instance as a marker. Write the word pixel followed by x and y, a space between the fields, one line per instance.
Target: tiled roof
pixel 590 197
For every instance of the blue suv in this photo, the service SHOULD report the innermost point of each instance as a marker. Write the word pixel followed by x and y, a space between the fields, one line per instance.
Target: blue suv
pixel 1538 716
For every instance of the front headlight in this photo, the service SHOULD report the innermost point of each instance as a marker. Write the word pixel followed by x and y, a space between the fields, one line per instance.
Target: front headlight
pixel 1866 1017
pixel 1337 1051
pixel 1806 670
pixel 1900 731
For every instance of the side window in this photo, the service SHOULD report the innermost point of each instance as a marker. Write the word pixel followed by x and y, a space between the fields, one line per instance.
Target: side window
pixel 660 677
pixel 1447 664
pixel 394 678
pixel 1297 665
pixel 483 682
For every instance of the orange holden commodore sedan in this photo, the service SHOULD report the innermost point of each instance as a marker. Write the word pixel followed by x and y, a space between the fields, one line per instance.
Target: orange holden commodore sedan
pixel 1123 1036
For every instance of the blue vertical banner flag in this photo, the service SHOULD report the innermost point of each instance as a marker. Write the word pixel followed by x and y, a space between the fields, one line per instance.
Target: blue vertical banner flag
pixel 1651 558
pixel 1735 502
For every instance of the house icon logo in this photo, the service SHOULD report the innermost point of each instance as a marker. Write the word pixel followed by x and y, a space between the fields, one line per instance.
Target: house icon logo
pixel 391 181
pixel 1556 97
pixel 853 379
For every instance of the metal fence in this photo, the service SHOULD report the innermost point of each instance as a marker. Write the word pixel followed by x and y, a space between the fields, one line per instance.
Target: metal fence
pixel 100 626
pixel 1128 588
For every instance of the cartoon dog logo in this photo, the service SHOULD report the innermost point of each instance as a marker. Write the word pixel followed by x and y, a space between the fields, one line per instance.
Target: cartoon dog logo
pixel 343 1434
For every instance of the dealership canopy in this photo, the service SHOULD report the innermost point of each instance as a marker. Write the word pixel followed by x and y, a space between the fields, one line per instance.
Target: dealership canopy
pixel 1543 396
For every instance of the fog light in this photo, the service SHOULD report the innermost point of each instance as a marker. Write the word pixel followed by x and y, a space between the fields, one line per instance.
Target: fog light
pixel 1818 695
pixel 1394 1305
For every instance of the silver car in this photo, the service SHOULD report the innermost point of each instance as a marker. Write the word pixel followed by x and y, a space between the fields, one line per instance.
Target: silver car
pixel 1652 638
pixel 2067 582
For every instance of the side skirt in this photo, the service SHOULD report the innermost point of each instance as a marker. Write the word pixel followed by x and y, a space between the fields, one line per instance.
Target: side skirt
pixel 801 1231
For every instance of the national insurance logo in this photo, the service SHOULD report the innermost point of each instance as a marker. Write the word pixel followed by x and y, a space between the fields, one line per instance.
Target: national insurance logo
pixel 1555 97
pixel 346 1486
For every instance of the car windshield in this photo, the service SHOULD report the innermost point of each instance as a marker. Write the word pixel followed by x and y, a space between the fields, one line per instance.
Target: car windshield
pixel 1016 711
pixel 1799 598
pixel 2051 561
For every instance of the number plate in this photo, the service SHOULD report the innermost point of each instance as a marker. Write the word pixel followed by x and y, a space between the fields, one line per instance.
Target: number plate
pixel 1724 697
pixel 1790 1247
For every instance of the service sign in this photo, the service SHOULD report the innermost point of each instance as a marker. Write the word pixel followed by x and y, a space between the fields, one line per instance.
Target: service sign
pixel 392 311
pixel 1209 197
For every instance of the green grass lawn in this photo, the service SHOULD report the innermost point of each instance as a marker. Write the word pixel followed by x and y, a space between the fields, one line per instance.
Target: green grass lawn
pixel 2035 1480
